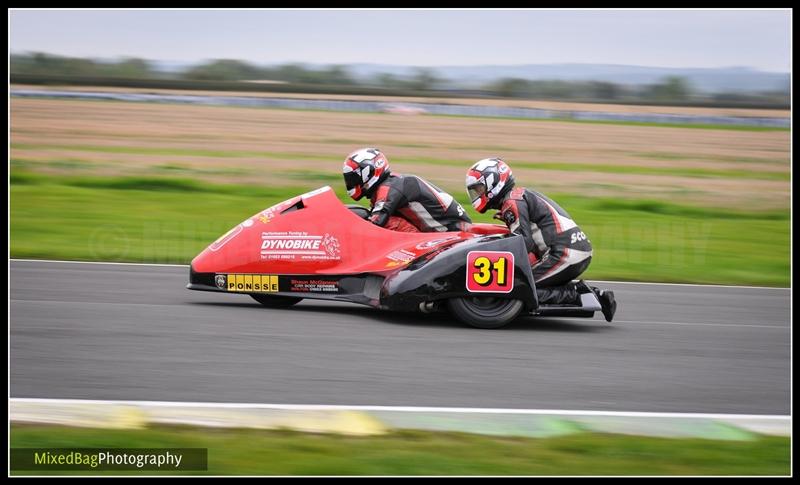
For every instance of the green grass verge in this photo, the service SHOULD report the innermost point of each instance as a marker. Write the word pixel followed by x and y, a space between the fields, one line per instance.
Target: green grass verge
pixel 255 452
pixel 169 220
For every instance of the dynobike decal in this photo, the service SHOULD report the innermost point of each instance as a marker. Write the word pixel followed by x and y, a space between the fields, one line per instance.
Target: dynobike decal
pixel 296 245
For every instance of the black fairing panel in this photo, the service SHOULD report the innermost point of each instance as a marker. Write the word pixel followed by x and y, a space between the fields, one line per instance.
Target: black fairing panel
pixel 442 275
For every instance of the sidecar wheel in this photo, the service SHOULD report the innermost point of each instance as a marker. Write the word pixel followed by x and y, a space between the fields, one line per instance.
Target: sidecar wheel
pixel 485 311
pixel 274 301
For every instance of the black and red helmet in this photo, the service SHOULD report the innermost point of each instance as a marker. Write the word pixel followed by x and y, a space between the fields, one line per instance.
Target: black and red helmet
pixel 363 170
pixel 488 180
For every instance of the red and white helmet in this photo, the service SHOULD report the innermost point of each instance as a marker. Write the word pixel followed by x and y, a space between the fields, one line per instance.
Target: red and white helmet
pixel 487 181
pixel 363 170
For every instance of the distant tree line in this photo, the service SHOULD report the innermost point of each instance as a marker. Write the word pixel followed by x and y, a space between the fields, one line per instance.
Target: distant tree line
pixel 668 90
pixel 49 65
pixel 227 74
pixel 673 89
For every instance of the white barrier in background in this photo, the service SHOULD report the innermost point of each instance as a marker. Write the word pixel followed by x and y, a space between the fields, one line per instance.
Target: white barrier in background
pixel 433 108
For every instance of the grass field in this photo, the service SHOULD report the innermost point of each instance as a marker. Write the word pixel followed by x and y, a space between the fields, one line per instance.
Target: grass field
pixel 740 170
pixel 148 182
pixel 166 220
pixel 254 452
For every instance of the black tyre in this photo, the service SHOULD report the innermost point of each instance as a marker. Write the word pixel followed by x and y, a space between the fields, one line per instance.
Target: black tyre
pixel 485 311
pixel 274 301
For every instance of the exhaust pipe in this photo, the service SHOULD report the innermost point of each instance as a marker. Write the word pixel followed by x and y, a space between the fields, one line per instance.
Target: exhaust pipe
pixel 428 306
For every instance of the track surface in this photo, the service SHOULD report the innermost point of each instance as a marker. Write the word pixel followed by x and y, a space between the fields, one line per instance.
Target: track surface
pixel 88 331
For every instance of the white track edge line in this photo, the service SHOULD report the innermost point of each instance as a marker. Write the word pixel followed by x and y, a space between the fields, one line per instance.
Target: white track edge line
pixel 334 407
pixel 98 262
pixel 597 281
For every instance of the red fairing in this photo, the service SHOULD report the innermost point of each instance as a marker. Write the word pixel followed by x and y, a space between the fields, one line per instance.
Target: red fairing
pixel 315 233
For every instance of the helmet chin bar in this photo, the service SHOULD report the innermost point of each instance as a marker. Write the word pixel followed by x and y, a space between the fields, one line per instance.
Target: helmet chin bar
pixel 355 193
pixel 352 181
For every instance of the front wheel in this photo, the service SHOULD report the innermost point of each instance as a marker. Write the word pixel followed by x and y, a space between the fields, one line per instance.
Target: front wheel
pixel 485 311
pixel 274 301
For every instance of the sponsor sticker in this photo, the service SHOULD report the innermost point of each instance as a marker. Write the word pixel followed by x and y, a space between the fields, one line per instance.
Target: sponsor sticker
pixel 399 257
pixel 299 246
pixel 490 271
pixel 268 214
pixel 219 280
pixel 436 242
pixel 249 283
pixel 313 286
pixel 216 245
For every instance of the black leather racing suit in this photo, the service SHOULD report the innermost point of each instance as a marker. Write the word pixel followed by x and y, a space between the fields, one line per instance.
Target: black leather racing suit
pixel 427 207
pixel 562 249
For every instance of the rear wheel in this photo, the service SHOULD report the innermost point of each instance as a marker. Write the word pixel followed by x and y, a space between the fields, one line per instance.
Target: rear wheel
pixel 485 311
pixel 274 301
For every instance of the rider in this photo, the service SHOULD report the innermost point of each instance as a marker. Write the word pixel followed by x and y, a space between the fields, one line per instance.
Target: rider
pixel 559 251
pixel 401 202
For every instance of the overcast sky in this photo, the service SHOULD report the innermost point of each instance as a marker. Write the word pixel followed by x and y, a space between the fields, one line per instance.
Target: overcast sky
pixel 671 38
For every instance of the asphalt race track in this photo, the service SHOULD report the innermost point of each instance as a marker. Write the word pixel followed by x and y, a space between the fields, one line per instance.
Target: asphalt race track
pixel 130 332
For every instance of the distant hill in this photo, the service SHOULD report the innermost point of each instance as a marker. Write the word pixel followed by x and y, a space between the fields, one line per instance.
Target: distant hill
pixel 725 79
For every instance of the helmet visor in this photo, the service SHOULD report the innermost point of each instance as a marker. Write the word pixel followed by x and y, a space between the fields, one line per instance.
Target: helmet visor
pixel 475 191
pixel 352 180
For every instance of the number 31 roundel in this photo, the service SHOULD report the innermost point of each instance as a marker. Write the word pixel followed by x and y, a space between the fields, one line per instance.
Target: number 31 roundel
pixel 490 271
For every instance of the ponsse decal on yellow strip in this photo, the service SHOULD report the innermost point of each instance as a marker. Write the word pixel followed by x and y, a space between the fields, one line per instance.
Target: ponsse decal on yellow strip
pixel 251 283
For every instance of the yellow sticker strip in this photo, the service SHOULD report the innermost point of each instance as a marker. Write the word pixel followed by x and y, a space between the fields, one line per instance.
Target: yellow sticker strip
pixel 252 283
